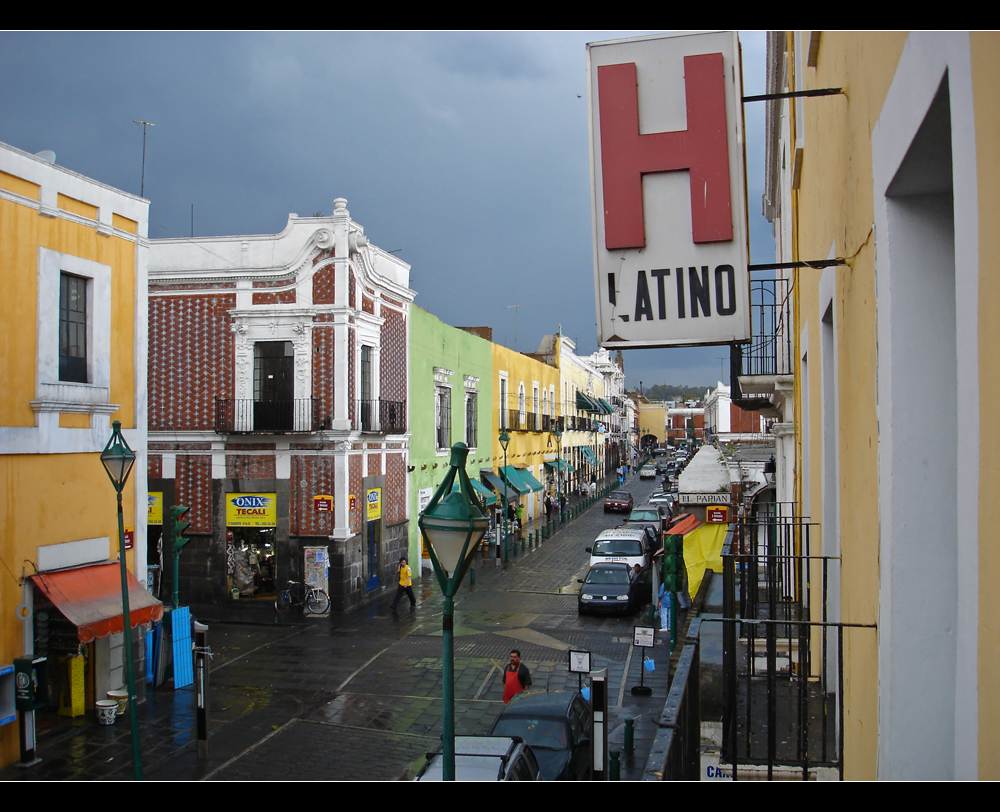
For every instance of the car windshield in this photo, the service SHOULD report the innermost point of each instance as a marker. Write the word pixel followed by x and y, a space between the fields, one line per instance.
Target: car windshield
pixel 618 495
pixel 643 516
pixel 618 547
pixel 607 576
pixel 540 733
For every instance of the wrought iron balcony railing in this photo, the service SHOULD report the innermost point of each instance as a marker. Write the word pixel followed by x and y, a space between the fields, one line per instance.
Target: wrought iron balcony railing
pixel 246 416
pixel 384 416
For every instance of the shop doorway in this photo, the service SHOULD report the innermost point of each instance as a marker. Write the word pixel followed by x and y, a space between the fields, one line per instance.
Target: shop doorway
pixel 251 559
pixel 374 557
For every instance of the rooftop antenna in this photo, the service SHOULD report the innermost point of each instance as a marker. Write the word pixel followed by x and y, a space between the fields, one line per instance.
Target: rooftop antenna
pixel 142 182
pixel 515 323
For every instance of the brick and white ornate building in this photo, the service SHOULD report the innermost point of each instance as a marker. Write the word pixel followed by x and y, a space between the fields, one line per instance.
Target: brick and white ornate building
pixel 278 369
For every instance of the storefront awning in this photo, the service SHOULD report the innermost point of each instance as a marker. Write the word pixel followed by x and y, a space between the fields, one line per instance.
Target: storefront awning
pixel 559 465
pixel 514 479
pixel 484 493
pixel 605 406
pixel 589 455
pixel 91 599
pixel 585 403
pixel 499 486
pixel 529 480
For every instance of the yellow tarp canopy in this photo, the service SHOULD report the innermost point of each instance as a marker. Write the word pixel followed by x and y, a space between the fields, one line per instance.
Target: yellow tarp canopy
pixel 702 551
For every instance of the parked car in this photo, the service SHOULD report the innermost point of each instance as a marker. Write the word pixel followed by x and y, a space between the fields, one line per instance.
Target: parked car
pixel 629 544
pixel 486 758
pixel 648 513
pixel 557 725
pixel 647 472
pixel 607 587
pixel 620 501
pixel 663 499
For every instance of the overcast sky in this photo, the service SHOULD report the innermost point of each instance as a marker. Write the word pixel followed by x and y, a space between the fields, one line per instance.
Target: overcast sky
pixel 466 153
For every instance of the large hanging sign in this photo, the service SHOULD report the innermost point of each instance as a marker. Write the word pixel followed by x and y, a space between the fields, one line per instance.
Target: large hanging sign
pixel 668 191
pixel 251 510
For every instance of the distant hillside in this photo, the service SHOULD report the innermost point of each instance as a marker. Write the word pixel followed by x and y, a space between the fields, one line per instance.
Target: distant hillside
pixel 665 391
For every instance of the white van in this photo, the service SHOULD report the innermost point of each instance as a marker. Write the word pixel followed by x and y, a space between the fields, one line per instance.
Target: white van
pixel 630 544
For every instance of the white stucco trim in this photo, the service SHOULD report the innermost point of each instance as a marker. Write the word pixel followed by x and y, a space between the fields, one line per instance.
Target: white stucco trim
pixel 926 60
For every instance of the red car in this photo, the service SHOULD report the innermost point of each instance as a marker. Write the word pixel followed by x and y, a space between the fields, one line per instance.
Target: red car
pixel 620 501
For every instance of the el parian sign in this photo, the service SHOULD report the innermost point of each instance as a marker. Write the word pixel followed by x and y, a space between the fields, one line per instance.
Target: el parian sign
pixel 668 191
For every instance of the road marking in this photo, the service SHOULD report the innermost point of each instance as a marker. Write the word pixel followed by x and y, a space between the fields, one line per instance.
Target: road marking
pixel 487 679
pixel 362 668
pixel 238 756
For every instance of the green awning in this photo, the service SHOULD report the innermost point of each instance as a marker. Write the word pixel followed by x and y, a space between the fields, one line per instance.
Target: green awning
pixel 485 494
pixel 605 406
pixel 585 403
pixel 530 480
pixel 499 486
pixel 559 465
pixel 588 455
pixel 513 478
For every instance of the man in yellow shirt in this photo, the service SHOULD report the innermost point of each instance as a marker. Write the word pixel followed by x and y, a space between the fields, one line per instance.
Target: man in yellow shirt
pixel 405 585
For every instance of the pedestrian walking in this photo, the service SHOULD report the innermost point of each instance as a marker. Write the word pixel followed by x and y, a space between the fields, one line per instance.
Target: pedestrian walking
pixel 405 585
pixel 516 677
pixel 663 604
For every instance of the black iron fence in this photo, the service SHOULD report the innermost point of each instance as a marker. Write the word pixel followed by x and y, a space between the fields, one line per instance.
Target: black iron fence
pixel 771 346
pixel 676 751
pixel 782 652
pixel 246 416
pixel 384 416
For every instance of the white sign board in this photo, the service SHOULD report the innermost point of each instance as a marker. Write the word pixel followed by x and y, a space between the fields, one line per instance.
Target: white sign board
pixel 643 636
pixel 715 498
pixel 668 191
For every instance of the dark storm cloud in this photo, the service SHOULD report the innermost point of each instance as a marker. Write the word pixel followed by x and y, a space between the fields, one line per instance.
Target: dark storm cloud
pixel 467 151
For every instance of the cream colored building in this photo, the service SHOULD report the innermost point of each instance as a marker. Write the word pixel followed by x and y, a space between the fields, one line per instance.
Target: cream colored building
pixel 897 178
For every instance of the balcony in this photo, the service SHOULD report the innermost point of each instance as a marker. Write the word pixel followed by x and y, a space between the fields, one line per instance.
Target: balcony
pixel 761 370
pixel 382 416
pixel 300 416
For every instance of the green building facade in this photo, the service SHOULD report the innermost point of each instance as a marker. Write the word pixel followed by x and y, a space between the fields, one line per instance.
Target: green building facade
pixel 450 400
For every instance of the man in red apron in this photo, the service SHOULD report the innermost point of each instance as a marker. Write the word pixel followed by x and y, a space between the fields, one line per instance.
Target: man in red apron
pixel 516 677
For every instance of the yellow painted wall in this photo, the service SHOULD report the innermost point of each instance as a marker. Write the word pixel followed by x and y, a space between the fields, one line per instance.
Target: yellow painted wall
pixel 985 71
pixel 52 498
pixel 835 214
pixel 24 231
pixel 526 448
pixel 653 418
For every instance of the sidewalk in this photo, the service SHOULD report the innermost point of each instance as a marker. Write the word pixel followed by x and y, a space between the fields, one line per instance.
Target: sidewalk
pixel 357 695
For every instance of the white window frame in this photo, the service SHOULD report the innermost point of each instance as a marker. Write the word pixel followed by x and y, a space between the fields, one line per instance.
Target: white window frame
pixel 51 394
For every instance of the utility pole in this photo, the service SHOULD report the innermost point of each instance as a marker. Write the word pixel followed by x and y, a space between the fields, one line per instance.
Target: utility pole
pixel 142 181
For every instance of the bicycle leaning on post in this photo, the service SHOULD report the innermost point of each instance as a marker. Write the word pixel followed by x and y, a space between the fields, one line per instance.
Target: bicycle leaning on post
pixel 304 596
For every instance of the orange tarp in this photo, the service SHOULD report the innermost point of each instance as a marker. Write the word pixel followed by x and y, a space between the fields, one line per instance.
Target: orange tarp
pixel 91 599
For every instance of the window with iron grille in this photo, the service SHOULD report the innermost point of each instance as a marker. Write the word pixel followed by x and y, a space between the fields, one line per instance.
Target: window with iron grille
pixel 72 328
pixel 471 411
pixel 442 410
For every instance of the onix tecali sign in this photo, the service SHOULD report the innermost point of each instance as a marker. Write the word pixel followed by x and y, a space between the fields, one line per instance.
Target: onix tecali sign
pixel 668 191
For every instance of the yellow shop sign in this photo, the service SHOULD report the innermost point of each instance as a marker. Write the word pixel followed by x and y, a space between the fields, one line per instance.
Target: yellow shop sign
pixel 251 510
pixel 374 499
pixel 154 507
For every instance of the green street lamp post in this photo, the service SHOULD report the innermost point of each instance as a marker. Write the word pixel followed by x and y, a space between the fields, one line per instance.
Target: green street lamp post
pixel 452 526
pixel 558 433
pixel 504 442
pixel 118 459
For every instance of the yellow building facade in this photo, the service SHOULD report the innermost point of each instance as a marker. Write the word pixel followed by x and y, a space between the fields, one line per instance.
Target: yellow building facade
pixel 897 179
pixel 73 344
pixel 525 391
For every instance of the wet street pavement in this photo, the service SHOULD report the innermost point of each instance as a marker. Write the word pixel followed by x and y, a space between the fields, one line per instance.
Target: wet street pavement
pixel 356 696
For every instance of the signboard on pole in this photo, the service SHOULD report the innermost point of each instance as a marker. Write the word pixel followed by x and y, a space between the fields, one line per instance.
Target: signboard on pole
pixel 668 191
